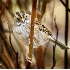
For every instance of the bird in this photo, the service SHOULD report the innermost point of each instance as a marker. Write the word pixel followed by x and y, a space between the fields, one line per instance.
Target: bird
pixel 21 29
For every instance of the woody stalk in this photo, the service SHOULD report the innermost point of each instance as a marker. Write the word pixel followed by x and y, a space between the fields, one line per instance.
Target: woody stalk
pixel 33 16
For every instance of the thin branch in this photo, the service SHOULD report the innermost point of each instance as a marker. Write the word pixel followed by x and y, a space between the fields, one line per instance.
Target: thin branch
pixel 54 46
pixel 3 8
pixel 1 51
pixel 65 5
pixel 6 61
pixel 3 57
pixel 10 29
pixel 17 60
pixel 54 60
pixel 44 2
pixel 66 36
pixel 52 15
pixel 8 47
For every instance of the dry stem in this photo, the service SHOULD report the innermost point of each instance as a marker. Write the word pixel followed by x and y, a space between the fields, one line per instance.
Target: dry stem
pixel 32 27
pixel 3 7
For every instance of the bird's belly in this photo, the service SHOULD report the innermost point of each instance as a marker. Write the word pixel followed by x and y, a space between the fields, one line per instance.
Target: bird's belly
pixel 23 32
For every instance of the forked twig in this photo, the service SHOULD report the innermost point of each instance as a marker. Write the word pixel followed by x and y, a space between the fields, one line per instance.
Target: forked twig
pixel 65 5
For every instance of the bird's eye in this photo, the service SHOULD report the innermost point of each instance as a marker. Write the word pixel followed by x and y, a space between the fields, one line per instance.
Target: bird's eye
pixel 24 16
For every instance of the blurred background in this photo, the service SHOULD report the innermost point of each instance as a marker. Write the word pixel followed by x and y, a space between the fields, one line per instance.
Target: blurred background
pixel 12 47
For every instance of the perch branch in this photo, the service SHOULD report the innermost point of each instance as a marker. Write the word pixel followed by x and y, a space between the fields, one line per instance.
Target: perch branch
pixel 33 16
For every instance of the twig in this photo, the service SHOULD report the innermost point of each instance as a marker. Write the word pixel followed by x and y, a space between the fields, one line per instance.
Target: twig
pixel 52 15
pixel 54 46
pixel 3 57
pixel 65 5
pixel 54 60
pixel 43 9
pixel 6 61
pixel 8 47
pixel 17 60
pixel 10 29
pixel 3 8
pixel 39 5
pixel 66 36
pixel 20 45
pixel 1 51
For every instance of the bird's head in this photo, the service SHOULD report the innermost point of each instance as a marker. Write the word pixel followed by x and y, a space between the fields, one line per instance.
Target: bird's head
pixel 22 18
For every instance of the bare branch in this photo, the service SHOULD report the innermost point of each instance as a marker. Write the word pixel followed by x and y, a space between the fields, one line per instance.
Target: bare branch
pixel 65 5
pixel 54 46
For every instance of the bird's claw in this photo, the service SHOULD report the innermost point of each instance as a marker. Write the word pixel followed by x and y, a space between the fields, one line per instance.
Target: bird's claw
pixel 28 58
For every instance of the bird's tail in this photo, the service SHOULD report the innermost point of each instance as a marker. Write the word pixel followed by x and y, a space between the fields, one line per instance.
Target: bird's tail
pixel 61 45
